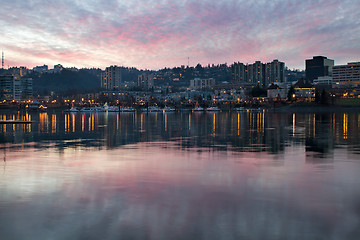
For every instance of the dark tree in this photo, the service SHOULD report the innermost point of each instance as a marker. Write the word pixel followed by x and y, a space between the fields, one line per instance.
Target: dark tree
pixel 290 94
pixel 317 96
pixel 325 98
pixel 258 92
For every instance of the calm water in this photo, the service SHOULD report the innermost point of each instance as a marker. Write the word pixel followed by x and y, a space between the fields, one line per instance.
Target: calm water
pixel 251 175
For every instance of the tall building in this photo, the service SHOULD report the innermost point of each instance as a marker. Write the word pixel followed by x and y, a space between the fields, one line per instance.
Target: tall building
pixel 239 72
pixel 111 78
pixel 26 88
pixel 146 81
pixel 319 66
pixel 346 75
pixel 13 87
pixel 7 87
pixel 274 72
pixel 259 73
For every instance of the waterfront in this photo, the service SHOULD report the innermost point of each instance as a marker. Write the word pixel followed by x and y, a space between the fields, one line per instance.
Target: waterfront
pixel 201 175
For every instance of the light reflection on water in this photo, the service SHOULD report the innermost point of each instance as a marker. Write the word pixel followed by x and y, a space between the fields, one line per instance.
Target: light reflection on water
pixel 181 176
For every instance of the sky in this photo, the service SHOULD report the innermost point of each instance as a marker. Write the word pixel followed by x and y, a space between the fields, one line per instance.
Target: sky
pixel 153 34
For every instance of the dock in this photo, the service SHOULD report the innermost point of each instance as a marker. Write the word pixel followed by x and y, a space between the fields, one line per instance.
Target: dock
pixel 15 122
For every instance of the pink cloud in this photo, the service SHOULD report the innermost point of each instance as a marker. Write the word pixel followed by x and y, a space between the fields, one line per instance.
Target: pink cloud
pixel 154 34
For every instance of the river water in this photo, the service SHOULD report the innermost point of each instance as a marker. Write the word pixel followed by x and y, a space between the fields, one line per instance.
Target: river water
pixel 226 175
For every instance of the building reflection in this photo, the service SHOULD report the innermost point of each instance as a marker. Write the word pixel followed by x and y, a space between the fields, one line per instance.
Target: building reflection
pixel 241 131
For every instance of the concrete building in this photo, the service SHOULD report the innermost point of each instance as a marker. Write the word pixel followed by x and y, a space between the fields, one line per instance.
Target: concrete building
pixel 346 76
pixel 146 81
pixel 258 73
pixel 13 87
pixel 319 66
pixel 26 88
pixel 274 72
pixel 111 78
pixel 7 87
pixel 198 83
pixel 326 80
pixel 239 72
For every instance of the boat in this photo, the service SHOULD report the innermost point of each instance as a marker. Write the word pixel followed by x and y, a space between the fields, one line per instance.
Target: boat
pixel 154 109
pixel 107 108
pixel 36 106
pixel 127 109
pixel 91 109
pixel 240 109
pixel 213 109
pixel 168 109
pixel 73 109
pixel 197 107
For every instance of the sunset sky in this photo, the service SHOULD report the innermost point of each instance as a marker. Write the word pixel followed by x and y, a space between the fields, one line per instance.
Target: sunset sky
pixel 154 34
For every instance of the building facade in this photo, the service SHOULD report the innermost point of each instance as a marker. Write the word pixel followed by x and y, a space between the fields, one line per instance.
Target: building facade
pixel 13 87
pixel 345 76
pixel 111 78
pixel 318 66
pixel 258 73
pixel 146 81
pixel 274 72
pixel 199 83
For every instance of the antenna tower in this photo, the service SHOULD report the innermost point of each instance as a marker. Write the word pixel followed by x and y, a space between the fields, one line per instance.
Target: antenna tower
pixel 2 62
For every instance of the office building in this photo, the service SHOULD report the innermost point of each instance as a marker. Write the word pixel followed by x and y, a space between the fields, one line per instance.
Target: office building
pixel 346 76
pixel 319 66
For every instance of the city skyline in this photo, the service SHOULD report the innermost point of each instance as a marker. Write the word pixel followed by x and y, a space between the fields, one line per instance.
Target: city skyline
pixel 157 34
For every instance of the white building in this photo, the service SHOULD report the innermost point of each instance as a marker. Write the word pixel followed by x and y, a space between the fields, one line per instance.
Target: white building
pixel 325 80
pixel 346 75
pixel 198 83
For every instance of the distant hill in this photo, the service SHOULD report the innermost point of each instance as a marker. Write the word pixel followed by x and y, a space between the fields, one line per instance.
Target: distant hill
pixel 66 82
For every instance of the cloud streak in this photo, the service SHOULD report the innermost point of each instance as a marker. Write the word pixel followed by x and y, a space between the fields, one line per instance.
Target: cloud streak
pixel 155 34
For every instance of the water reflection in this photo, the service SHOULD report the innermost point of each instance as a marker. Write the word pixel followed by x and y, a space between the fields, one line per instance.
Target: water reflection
pixel 247 131
pixel 227 175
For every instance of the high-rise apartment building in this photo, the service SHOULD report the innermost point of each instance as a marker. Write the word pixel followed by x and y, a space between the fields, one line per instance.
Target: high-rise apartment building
pixel 319 66
pixel 258 73
pixel 274 72
pixel 13 87
pixel 146 81
pixel 346 75
pixel 111 78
